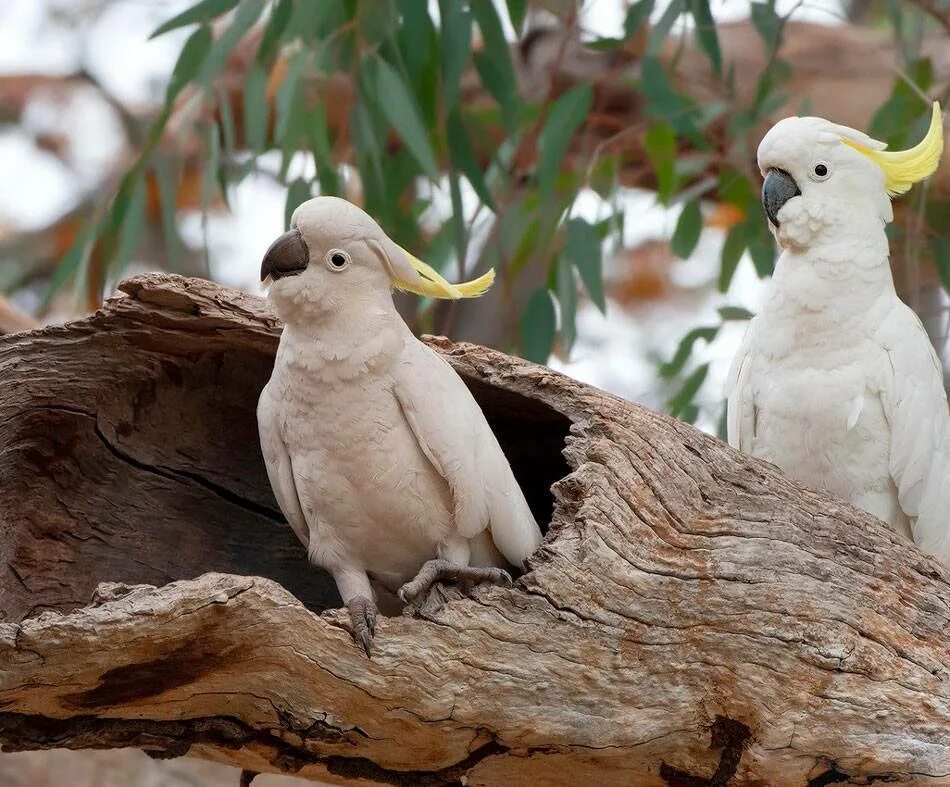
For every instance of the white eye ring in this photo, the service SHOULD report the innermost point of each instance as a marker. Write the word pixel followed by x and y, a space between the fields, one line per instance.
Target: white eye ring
pixel 336 260
pixel 820 171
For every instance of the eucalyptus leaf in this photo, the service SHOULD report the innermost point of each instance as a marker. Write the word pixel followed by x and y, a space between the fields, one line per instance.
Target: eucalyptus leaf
pixel 567 299
pixel 564 118
pixel 256 109
pixel 455 48
pixel 538 326
pixel 637 15
pixel 582 248
pixel 732 249
pixel 734 313
pixel 131 227
pixel 245 16
pixel 767 22
pixel 494 64
pixel 199 13
pixel 274 32
pixel 689 227
pixel 683 398
pixel 463 157
pixel 706 33
pixel 298 192
pixel 399 107
pixel 660 146
pixel 189 62
pixel 685 348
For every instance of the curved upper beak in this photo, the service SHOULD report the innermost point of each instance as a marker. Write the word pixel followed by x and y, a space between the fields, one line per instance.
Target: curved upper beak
pixel 288 255
pixel 779 187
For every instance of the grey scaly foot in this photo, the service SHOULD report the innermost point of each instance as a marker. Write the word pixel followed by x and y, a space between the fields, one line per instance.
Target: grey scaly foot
pixel 439 570
pixel 363 619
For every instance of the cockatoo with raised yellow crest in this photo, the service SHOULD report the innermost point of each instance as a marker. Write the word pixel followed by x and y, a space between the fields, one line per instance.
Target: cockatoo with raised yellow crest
pixel 836 381
pixel 378 455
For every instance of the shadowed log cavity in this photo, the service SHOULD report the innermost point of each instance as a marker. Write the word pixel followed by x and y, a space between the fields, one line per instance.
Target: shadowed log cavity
pixel 532 434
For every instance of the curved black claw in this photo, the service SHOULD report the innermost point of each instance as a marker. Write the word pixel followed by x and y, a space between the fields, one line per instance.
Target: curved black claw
pixel 439 570
pixel 363 620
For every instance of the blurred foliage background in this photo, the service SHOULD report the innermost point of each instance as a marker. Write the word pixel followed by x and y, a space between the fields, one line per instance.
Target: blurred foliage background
pixel 511 134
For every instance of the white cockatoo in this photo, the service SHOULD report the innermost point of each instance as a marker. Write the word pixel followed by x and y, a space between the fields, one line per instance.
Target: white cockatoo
pixel 379 457
pixel 836 381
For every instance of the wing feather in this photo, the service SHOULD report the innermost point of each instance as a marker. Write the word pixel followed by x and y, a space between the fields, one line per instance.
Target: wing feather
pixel 279 468
pixel 453 433
pixel 740 402
pixel 915 405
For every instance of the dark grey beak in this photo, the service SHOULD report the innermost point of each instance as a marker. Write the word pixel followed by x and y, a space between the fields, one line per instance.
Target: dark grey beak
pixel 287 256
pixel 779 187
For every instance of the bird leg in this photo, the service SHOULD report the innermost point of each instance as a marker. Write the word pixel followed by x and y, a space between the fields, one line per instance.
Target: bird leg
pixel 363 619
pixel 438 570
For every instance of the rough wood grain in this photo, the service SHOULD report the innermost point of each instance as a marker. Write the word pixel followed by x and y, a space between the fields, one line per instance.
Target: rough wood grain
pixel 693 617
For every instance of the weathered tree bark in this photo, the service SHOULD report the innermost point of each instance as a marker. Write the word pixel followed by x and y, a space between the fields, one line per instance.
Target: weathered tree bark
pixel 693 617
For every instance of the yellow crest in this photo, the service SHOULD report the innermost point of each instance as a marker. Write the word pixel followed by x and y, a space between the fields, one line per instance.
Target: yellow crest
pixel 903 168
pixel 434 285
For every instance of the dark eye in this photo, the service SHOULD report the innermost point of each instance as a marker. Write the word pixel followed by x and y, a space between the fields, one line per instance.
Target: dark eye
pixel 336 259
pixel 821 171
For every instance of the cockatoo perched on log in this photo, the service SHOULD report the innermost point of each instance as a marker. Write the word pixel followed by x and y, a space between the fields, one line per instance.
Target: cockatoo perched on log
pixel 379 457
pixel 836 381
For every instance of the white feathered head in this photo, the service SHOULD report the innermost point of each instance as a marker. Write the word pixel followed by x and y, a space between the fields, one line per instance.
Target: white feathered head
pixel 335 254
pixel 820 175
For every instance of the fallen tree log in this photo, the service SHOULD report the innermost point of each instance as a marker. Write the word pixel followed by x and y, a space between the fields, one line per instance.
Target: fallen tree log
pixel 693 617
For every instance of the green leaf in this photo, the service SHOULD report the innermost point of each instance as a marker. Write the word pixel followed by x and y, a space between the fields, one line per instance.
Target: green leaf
pixel 732 249
pixel 737 190
pixel 684 397
pixel 660 145
pixel 761 244
pixel 517 10
pixel 312 21
pixel 287 95
pixel 131 227
pixel 200 13
pixel 665 104
pixel 256 109
pixel 538 325
pixel 685 348
pixel 637 14
pixel 167 178
pixel 245 17
pixel 767 22
pixel 228 129
pixel 377 19
pixel 494 64
pixel 567 298
pixel 189 62
pixel 210 181
pixel 322 152
pixel 564 118
pixel 398 105
pixel 298 192
pixel 689 226
pixel 583 250
pixel 455 48
pixel 417 47
pixel 463 156
pixel 276 25
pixel 706 33
pixel 734 314
pixel 663 26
